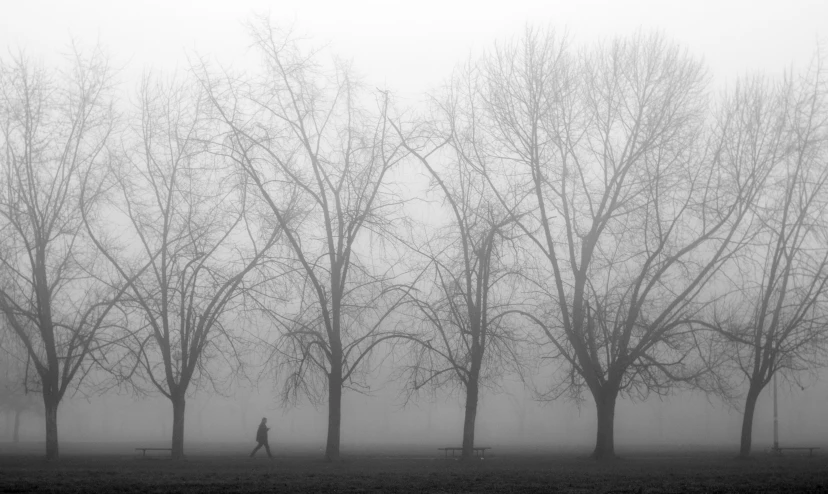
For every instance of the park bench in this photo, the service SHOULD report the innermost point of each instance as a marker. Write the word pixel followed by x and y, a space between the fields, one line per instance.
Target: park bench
pixel 144 450
pixel 778 450
pixel 481 452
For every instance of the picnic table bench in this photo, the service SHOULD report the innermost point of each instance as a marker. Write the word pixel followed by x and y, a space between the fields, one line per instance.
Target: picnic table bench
pixel 778 450
pixel 144 450
pixel 477 451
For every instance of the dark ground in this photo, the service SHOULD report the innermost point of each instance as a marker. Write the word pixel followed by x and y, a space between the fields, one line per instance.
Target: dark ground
pixel 212 468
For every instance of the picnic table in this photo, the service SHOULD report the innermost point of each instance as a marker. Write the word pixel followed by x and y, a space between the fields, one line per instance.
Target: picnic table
pixel 144 450
pixel 477 451
pixel 778 450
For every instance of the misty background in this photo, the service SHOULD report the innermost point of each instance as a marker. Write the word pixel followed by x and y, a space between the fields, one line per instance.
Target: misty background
pixel 511 419
pixel 411 51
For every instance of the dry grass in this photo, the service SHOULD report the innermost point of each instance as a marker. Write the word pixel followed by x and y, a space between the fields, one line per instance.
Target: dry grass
pixel 303 472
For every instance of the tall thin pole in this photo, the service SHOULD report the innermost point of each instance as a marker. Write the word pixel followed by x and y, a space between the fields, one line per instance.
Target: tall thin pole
pixel 775 418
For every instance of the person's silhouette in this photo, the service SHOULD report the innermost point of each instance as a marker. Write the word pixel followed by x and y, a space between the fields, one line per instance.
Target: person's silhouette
pixel 261 438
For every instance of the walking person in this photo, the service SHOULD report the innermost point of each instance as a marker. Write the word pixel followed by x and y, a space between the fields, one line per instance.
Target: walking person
pixel 261 438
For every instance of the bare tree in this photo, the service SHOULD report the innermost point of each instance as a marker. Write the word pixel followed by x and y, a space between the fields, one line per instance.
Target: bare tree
pixel 462 340
pixel 54 126
pixel 774 318
pixel 184 212
pixel 627 203
pixel 305 133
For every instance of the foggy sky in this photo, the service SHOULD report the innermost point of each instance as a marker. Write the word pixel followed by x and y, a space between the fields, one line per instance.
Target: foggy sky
pixel 411 50
pixel 412 47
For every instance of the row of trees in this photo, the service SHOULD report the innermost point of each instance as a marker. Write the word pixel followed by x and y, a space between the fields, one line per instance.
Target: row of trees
pixel 598 209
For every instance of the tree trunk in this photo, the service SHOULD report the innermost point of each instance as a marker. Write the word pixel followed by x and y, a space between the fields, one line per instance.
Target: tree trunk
pixel 16 436
pixel 179 404
pixel 51 408
pixel 605 438
pixel 470 418
pixel 747 422
pixel 334 413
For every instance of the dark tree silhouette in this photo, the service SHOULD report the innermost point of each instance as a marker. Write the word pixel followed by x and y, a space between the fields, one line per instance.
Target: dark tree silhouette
pixel 185 214
pixel 300 131
pixel 774 317
pixel 627 204
pixel 54 127
pixel 461 339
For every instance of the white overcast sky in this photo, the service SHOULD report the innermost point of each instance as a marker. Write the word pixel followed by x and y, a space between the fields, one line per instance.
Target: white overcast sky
pixel 412 46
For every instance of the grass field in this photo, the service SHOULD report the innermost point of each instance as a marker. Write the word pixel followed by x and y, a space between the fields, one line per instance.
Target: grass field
pixel 210 468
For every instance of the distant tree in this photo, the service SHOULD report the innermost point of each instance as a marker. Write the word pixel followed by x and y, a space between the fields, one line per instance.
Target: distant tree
pixel 17 394
pixel 460 338
pixel 625 200
pixel 54 128
pixel 183 211
pixel 774 318
pixel 304 132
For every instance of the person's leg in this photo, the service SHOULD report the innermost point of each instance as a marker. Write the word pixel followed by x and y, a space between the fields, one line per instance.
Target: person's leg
pixel 255 449
pixel 267 448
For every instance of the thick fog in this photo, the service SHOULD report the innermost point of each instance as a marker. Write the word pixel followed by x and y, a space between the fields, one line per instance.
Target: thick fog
pixel 379 421
pixel 248 226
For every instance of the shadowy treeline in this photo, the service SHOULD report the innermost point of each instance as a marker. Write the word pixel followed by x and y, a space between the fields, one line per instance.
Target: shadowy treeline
pixel 596 215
